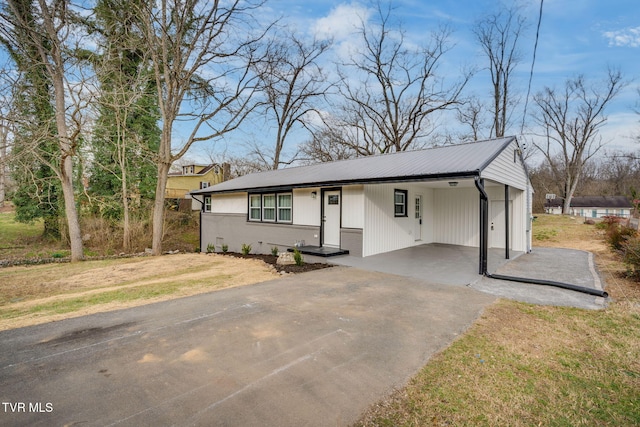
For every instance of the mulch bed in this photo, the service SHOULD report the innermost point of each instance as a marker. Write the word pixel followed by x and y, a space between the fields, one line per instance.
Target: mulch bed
pixel 270 259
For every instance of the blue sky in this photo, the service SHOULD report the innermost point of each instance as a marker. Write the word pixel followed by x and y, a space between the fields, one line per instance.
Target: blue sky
pixel 576 37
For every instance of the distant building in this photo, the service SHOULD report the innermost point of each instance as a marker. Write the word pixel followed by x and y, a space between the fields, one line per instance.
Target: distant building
pixel 593 206
pixel 195 177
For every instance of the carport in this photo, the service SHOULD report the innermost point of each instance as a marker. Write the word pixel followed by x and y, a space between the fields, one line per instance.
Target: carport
pixel 433 262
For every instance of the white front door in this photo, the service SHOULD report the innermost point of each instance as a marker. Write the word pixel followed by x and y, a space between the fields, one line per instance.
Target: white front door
pixel 497 231
pixel 417 226
pixel 331 219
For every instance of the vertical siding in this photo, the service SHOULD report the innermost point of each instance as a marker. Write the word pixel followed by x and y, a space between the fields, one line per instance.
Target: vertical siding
pixel 236 203
pixel 504 170
pixel 383 231
pixel 306 209
pixel 456 216
pixel 353 206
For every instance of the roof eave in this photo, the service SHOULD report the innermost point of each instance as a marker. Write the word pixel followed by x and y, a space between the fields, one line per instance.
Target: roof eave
pixel 380 180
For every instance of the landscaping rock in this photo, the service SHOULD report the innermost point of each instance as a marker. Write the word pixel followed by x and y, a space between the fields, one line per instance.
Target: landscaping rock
pixel 286 258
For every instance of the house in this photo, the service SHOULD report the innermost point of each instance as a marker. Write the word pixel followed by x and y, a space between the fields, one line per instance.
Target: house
pixel 194 177
pixel 476 194
pixel 593 206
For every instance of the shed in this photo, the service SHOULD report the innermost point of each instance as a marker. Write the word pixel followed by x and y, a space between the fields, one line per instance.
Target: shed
pixel 474 194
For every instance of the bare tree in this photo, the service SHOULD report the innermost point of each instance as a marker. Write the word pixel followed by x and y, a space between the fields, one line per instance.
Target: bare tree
pixel 43 34
pixel 498 35
pixel 292 81
pixel 202 54
pixel 570 120
pixel 397 88
pixel 326 145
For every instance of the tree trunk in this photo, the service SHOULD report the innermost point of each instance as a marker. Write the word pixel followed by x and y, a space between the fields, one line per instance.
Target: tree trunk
pixel 75 236
pixel 158 208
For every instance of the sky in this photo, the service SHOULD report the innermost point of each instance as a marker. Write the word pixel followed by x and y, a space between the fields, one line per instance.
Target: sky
pixel 576 37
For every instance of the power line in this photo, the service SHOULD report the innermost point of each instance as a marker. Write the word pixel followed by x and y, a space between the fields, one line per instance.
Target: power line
pixel 535 48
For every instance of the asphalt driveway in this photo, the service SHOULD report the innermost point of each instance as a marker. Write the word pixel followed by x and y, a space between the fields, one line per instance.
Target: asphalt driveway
pixel 308 350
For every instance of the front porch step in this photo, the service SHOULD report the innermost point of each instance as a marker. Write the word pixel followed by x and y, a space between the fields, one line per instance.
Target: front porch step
pixel 321 251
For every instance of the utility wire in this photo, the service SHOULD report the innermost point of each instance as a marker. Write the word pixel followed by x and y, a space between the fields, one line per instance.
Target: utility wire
pixel 535 48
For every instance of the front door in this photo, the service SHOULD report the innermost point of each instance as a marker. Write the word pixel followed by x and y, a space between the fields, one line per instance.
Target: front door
pixel 417 226
pixel 497 229
pixel 331 219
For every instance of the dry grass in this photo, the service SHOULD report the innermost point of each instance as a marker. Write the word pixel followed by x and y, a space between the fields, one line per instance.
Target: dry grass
pixel 528 365
pixel 43 293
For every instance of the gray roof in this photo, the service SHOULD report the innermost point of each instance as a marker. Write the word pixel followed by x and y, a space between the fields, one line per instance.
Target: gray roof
pixel 453 161
pixel 594 202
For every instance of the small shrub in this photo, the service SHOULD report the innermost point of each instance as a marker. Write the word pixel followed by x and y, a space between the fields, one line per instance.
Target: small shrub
pixel 631 250
pixel 211 248
pixel 225 248
pixel 245 249
pixel 274 251
pixel 297 257
pixel 57 255
pixel 617 234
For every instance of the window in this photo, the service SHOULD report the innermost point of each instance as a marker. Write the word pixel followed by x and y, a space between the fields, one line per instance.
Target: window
pixel 207 204
pixel 254 207
pixel 204 184
pixel 272 207
pixel 284 207
pixel 269 207
pixel 400 203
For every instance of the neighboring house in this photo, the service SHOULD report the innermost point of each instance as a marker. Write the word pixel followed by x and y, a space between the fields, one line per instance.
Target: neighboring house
pixel 475 194
pixel 593 206
pixel 194 177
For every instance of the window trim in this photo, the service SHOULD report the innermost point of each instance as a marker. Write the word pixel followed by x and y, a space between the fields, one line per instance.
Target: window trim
pixel 405 195
pixel 206 203
pixel 259 208
pixel 276 207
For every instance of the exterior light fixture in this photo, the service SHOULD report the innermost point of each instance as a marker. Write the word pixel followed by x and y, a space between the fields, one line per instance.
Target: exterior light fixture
pixel 314 194
pixel 453 183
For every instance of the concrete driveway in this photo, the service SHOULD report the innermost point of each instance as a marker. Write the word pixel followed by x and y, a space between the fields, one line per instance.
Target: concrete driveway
pixel 458 266
pixel 308 350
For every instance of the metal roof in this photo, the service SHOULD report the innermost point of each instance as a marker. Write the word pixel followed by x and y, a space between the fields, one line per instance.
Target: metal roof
pixel 594 202
pixel 463 160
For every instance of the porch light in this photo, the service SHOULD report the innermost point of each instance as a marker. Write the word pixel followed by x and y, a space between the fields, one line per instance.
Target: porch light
pixel 453 183
pixel 314 194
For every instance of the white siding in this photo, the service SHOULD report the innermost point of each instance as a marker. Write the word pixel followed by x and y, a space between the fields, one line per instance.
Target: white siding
pixel 383 231
pixel 230 203
pixel 456 216
pixel 507 171
pixel 353 206
pixel 306 206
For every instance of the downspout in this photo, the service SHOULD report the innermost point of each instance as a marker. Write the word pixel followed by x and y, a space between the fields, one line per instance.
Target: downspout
pixel 484 225
pixel 506 221
pixel 199 220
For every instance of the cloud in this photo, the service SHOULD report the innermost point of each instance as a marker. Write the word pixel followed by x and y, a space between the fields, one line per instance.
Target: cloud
pixel 341 22
pixel 627 37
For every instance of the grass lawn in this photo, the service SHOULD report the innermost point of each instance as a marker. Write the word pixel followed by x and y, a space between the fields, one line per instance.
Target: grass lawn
pixel 529 365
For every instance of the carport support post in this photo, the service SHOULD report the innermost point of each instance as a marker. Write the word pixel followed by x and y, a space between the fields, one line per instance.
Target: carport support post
pixel 506 221
pixel 484 225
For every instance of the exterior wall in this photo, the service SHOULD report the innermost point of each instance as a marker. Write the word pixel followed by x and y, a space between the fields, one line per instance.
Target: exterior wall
pixel 351 239
pixel 236 203
pixel 306 206
pixel 518 217
pixel 353 206
pixel 456 216
pixel 179 185
pixel 234 230
pixel 507 168
pixel 383 231
pixel 600 212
